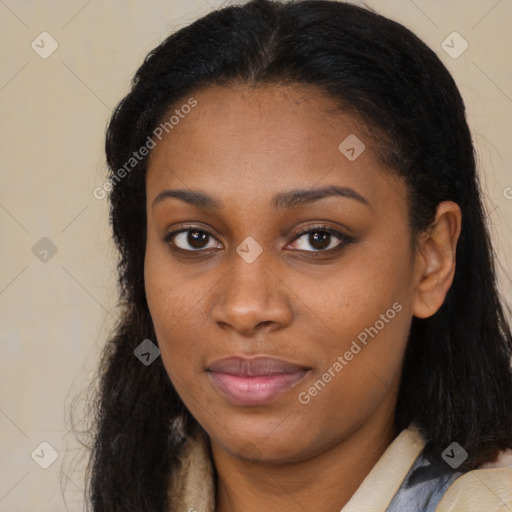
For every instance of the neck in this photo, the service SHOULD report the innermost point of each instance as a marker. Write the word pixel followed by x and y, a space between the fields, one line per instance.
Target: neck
pixel 324 482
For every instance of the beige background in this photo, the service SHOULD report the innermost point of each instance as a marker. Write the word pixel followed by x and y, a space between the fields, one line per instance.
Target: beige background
pixel 54 315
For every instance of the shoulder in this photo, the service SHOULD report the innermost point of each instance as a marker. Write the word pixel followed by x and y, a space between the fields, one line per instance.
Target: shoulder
pixel 477 490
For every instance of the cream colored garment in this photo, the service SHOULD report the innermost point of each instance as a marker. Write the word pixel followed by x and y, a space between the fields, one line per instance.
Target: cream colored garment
pixel 488 489
pixel 383 481
pixel 192 488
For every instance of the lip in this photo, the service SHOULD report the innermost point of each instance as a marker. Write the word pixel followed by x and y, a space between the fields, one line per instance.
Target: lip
pixel 256 380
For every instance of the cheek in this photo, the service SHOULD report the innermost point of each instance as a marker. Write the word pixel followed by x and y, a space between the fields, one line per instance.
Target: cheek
pixel 170 295
pixel 365 287
pixel 367 320
pixel 173 305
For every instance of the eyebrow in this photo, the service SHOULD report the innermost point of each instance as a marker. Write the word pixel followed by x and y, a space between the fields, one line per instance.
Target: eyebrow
pixel 289 199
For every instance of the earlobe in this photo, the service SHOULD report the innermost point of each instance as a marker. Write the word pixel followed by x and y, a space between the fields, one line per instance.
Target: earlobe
pixel 435 260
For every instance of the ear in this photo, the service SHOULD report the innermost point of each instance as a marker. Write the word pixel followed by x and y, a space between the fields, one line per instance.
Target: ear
pixel 435 259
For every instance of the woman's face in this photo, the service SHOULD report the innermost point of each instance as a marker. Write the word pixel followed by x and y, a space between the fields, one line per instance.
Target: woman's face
pixel 282 305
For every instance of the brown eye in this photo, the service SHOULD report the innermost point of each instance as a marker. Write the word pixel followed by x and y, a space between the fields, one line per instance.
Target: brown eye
pixel 192 240
pixel 197 239
pixel 321 239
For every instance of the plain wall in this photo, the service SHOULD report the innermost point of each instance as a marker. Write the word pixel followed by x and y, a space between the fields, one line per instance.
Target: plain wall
pixel 55 314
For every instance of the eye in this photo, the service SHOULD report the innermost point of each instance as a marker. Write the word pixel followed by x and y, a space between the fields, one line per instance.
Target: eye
pixel 192 239
pixel 321 239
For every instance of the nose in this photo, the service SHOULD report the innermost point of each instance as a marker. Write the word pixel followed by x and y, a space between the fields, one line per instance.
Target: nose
pixel 252 297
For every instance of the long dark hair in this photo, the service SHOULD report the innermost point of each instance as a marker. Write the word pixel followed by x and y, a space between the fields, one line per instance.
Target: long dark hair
pixel 457 381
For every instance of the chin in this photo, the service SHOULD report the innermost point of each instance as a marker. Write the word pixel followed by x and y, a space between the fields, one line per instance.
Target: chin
pixel 260 439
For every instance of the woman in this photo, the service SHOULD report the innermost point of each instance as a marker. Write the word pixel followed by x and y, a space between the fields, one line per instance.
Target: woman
pixel 311 317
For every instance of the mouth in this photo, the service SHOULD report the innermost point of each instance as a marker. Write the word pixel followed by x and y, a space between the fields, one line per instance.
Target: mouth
pixel 254 381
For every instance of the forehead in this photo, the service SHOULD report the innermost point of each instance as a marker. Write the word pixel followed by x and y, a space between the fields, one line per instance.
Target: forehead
pixel 262 120
pixel 257 140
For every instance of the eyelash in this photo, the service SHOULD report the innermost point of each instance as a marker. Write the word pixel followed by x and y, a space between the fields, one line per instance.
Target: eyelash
pixel 343 239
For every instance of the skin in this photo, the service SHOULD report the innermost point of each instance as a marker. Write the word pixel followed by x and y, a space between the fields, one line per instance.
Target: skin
pixel 242 145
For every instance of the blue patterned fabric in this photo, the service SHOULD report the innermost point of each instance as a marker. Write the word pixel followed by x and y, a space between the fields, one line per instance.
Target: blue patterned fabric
pixel 423 487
